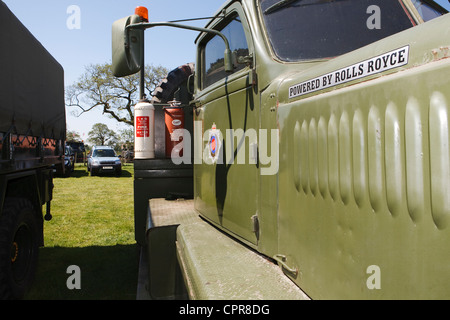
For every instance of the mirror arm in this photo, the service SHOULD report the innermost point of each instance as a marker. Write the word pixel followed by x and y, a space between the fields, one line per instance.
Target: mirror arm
pixel 228 58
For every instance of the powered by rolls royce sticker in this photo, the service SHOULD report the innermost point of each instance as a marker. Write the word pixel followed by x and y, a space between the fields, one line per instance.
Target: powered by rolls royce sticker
pixel 384 62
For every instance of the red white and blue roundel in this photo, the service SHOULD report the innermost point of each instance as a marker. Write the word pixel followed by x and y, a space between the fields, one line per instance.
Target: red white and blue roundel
pixel 214 143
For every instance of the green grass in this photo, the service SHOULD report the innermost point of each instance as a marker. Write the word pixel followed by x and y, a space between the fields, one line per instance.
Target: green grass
pixel 92 228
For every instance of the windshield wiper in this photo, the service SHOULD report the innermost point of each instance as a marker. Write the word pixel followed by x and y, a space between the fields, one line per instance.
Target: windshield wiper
pixel 281 4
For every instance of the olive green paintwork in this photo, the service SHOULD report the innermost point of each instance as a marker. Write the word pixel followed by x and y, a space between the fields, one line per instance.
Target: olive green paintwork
pixel 229 106
pixel 362 194
pixel 189 258
pixel 126 58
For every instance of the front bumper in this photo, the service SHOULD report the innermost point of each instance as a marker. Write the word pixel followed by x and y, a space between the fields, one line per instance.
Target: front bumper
pixel 107 167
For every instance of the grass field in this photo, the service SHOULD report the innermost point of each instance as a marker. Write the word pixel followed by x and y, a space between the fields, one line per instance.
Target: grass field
pixel 92 228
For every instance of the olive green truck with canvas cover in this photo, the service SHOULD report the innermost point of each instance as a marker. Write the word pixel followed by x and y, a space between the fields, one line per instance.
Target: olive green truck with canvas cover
pixel 32 135
pixel 320 154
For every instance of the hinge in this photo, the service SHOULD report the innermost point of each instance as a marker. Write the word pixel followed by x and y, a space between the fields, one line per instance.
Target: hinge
pixel 247 60
pixel 281 259
pixel 255 226
pixel 254 79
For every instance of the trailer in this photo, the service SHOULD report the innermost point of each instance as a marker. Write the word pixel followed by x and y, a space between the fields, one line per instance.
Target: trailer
pixel 32 137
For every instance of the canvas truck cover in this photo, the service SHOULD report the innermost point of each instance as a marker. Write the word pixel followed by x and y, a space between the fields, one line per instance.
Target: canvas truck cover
pixel 31 83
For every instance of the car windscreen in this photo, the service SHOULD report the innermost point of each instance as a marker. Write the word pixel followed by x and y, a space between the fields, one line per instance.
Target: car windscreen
pixel 102 153
pixel 317 29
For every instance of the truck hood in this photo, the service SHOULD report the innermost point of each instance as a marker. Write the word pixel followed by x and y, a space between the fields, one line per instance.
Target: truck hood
pixel 408 49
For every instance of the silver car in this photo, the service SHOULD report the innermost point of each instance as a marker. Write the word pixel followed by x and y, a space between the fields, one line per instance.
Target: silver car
pixel 103 159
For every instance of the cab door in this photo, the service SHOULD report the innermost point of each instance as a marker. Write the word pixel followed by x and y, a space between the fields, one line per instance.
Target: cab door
pixel 227 118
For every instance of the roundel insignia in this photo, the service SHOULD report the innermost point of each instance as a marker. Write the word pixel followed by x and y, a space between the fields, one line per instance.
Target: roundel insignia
pixel 214 143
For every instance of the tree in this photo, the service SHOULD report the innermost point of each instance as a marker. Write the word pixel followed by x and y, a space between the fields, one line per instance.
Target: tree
pixel 72 136
pixel 127 135
pixel 98 88
pixel 101 135
pixel 125 140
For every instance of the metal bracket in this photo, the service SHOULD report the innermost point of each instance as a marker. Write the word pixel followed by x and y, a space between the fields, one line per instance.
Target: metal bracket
pixel 281 259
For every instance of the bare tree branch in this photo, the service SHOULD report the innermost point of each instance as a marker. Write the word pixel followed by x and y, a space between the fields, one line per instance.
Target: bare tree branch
pixel 98 88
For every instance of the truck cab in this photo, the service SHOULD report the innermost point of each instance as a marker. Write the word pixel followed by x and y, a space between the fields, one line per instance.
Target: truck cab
pixel 324 162
pixel 325 146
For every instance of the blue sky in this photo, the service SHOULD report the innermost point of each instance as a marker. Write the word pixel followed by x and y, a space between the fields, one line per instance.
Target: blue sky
pixel 91 43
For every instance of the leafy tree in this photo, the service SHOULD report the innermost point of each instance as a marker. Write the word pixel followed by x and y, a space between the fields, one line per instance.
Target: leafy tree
pixel 101 135
pixel 125 140
pixel 98 88
pixel 127 135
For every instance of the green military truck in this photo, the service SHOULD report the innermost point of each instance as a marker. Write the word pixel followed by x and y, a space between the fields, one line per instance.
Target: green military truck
pixel 32 135
pixel 321 157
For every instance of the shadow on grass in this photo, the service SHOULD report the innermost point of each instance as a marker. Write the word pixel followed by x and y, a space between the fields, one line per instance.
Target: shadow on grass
pixel 112 174
pixel 107 273
pixel 79 173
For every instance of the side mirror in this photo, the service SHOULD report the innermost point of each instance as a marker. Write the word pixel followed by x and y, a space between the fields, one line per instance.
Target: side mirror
pixel 126 46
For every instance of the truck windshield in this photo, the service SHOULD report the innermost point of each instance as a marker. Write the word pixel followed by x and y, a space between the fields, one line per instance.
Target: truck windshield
pixel 317 29
pixel 426 11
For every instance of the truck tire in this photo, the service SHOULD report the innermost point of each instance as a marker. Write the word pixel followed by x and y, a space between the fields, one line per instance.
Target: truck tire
pixel 19 244
pixel 166 89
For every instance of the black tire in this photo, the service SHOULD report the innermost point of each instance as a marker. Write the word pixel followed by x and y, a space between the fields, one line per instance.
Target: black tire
pixel 94 172
pixel 167 88
pixel 19 245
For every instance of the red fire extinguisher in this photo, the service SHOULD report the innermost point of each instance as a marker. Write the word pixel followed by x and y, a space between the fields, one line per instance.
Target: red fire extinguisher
pixel 174 119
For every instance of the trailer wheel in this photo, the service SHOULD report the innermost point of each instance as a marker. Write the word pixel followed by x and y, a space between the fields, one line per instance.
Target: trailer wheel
pixel 18 248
